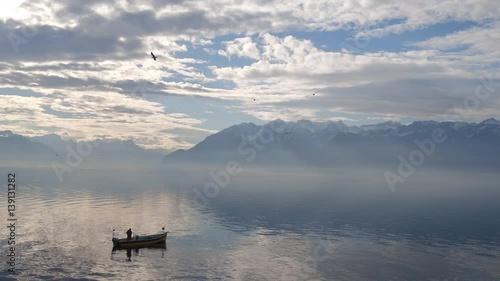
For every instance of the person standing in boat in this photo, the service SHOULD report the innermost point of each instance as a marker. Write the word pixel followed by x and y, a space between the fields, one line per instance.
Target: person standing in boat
pixel 129 234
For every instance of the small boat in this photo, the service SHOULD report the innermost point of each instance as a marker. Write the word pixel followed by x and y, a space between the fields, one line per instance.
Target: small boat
pixel 140 241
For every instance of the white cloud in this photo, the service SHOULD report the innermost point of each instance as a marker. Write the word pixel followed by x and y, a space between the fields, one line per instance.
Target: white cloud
pixel 479 44
pixel 228 16
pixel 421 84
pixel 88 115
pixel 241 47
pixel 101 49
pixel 290 63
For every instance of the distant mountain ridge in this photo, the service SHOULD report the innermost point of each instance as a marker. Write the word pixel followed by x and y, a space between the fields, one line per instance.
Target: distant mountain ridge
pixel 281 143
pixel 335 143
pixel 47 149
pixel 15 149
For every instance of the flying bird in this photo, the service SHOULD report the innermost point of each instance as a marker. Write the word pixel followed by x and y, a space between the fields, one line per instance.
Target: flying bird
pixel 153 56
pixel 57 155
pixel 313 94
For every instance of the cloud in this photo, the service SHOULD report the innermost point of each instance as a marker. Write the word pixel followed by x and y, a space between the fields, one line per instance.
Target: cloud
pixel 219 17
pixel 393 16
pixel 294 63
pixel 241 47
pixel 422 84
pixel 90 115
pixel 91 70
pixel 473 45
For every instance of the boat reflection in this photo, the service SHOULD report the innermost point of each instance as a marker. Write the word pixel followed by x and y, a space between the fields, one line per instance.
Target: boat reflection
pixel 136 251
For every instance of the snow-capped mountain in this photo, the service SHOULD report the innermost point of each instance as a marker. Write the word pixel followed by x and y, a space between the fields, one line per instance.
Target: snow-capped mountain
pixel 389 125
pixel 491 121
pixel 6 134
pixel 283 143
pixel 334 143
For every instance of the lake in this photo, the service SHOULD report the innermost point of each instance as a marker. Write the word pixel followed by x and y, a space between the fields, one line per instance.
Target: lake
pixel 348 228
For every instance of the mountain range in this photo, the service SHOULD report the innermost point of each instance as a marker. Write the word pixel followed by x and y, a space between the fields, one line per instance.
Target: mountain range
pixel 281 143
pixel 336 144
pixel 45 150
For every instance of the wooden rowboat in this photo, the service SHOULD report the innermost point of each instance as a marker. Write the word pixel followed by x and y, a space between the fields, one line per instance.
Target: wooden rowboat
pixel 140 241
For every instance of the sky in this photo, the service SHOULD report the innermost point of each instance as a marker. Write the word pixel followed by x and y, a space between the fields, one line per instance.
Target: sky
pixel 85 71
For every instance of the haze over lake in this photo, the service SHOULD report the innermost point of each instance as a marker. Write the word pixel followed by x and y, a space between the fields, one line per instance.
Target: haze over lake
pixel 280 201
pixel 328 226
pixel 250 140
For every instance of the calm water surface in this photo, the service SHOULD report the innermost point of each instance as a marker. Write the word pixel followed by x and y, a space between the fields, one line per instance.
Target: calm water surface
pixel 64 233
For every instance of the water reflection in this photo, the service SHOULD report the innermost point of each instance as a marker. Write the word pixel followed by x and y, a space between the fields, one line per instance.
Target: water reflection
pixel 117 252
pixel 256 235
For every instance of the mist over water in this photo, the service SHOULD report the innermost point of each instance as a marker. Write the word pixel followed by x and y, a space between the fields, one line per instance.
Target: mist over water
pixel 272 140
pixel 266 224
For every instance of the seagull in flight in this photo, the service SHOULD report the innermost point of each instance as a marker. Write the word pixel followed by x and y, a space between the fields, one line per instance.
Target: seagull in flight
pixel 57 155
pixel 153 56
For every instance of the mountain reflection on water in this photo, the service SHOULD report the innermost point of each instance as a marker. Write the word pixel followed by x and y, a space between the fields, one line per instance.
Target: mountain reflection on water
pixel 346 230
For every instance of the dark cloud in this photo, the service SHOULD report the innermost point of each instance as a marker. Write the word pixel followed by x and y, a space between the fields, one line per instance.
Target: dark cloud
pixel 49 43
pixel 96 37
pixel 146 23
pixel 412 97
pixel 74 8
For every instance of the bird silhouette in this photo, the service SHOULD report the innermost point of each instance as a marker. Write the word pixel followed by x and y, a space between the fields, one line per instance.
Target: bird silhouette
pixel 57 155
pixel 314 94
pixel 153 56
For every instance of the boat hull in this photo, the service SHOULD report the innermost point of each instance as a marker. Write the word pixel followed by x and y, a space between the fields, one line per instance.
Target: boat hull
pixel 162 246
pixel 140 241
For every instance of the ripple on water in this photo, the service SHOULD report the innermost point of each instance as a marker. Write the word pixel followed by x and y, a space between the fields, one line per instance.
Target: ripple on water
pixel 65 233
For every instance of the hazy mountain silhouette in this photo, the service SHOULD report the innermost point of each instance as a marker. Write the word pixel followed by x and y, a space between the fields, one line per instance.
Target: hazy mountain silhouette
pixel 16 149
pixel 45 150
pixel 336 144
pixel 321 144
